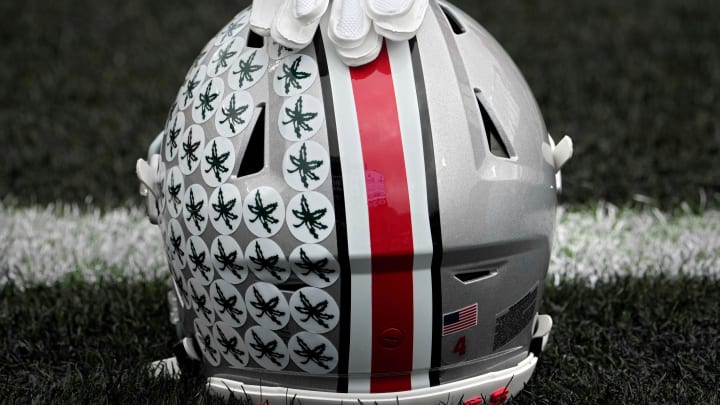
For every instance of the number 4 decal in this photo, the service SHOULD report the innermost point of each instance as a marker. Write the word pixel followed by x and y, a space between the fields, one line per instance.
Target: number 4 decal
pixel 460 346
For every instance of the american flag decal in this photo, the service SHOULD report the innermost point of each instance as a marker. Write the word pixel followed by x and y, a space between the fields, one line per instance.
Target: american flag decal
pixel 463 318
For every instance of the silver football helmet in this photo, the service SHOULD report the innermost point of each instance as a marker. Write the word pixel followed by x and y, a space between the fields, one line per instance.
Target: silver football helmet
pixel 377 233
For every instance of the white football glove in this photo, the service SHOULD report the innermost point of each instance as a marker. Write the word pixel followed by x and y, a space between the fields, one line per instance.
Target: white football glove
pixel 356 26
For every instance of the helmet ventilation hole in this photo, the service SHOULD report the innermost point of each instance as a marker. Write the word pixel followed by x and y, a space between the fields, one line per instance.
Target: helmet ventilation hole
pixel 254 40
pixel 495 142
pixel 254 158
pixel 455 24
pixel 473 276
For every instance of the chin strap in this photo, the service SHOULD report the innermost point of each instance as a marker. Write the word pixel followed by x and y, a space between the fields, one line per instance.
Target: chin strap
pixel 356 26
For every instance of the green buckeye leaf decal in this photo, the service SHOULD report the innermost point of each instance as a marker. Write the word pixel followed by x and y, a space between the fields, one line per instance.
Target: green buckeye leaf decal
pixel 266 264
pixel 311 219
pixel 318 268
pixel 206 101
pixel 233 114
pixel 246 70
pixel 295 75
pixel 190 150
pixel 299 119
pixel 263 213
pixel 216 162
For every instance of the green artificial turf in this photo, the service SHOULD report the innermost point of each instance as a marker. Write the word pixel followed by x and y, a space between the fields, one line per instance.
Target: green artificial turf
pixel 85 85
pixel 630 340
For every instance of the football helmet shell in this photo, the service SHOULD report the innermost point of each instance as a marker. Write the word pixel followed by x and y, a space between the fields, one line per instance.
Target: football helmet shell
pixel 342 233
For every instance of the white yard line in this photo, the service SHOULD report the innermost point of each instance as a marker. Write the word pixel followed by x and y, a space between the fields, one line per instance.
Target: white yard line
pixel 596 245
pixel 46 244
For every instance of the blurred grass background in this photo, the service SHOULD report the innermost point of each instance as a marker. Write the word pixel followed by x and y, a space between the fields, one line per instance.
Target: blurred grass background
pixel 85 85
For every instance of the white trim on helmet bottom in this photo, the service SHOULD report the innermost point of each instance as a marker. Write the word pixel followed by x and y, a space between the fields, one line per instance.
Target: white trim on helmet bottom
pixel 513 378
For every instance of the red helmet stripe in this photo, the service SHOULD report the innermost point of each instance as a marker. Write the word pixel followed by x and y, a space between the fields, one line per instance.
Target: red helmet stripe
pixel 390 247
pixel 391 236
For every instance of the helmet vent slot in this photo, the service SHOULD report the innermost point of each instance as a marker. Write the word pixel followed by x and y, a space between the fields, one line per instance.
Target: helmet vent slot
pixel 473 276
pixel 254 158
pixel 455 24
pixel 254 40
pixel 495 142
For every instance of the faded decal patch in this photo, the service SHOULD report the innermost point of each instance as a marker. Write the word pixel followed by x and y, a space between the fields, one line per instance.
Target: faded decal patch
pixel 513 320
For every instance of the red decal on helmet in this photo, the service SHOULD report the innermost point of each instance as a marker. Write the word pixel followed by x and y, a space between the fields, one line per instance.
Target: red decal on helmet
pixel 390 225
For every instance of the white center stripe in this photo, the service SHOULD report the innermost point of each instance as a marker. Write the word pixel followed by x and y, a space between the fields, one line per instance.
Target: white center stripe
pixel 358 231
pixel 409 118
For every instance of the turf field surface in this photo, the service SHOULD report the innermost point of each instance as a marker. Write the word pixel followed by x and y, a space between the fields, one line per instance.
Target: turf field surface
pixel 625 340
pixel 633 294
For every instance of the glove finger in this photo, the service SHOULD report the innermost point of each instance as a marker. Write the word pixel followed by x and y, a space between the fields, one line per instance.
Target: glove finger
pixel 263 14
pixel 296 22
pixel 349 25
pixel 349 29
pixel 397 20
pixel 366 53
